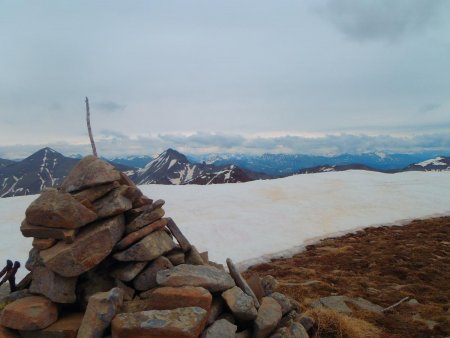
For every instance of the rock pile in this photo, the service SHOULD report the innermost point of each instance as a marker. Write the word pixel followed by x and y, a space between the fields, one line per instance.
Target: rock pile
pixel 105 261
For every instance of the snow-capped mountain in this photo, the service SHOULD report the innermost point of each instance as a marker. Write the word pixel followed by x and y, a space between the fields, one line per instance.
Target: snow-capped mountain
pixel 329 168
pixel 172 167
pixel 435 164
pixel 287 164
pixel 133 161
pixel 45 168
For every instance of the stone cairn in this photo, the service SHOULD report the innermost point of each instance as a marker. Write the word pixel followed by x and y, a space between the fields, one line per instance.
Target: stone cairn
pixel 105 262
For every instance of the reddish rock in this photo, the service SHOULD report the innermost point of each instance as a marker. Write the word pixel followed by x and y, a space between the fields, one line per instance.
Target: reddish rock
pixel 7 333
pixel 65 327
pixel 147 278
pixel 169 298
pixel 55 287
pixel 146 218
pixel 94 193
pixel 187 322
pixel 55 209
pixel 254 282
pixel 240 304
pixel 150 247
pixel 28 230
pixel 193 257
pixel 89 172
pixel 269 315
pixel 114 203
pixel 93 244
pixel 141 233
pixel 43 243
pixel 176 256
pixel 101 309
pixel 30 313
pixel 209 277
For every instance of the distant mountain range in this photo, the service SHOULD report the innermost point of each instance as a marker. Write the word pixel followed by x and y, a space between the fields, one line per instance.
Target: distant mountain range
pixel 48 168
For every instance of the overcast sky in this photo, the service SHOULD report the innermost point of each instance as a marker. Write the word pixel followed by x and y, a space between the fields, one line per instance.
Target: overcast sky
pixel 225 76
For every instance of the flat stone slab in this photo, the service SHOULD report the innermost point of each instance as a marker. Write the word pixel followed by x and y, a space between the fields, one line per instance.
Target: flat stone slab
pixel 141 233
pixel 37 231
pixel 127 271
pixel 55 287
pixel 93 244
pixel 89 172
pixel 55 209
pixel 147 278
pixel 150 247
pixel 169 298
pixel 43 243
pixel 29 313
pixel 65 327
pixel 187 322
pixel 211 278
pixel 147 217
pixel 94 193
pixel 114 203
pixel 338 303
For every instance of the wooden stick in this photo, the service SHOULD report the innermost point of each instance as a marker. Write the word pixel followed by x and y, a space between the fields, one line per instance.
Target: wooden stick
pixel 395 305
pixel 176 232
pixel 241 282
pixel 88 119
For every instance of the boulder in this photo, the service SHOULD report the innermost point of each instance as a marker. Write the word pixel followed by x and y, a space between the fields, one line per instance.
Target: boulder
pixel 101 309
pixel 93 244
pixel 7 333
pixel 269 314
pixel 147 217
pixel 150 247
pixel 92 282
pixel 284 302
pixel 55 287
pixel 127 271
pixel 114 203
pixel 28 230
pixel 211 278
pixel 176 256
pixel 220 329
pixel 65 327
pixel 29 313
pixel 217 307
pixel 55 209
pixel 193 257
pixel 186 322
pixel 169 298
pixel 147 278
pixel 293 330
pixel 336 303
pixel 241 305
pixel 141 233
pixel 89 172
pixel 34 260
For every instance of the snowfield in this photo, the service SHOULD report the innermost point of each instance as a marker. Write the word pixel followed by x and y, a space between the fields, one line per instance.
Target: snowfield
pixel 252 222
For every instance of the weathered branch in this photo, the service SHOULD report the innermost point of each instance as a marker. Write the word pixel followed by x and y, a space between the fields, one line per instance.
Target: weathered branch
pixel 395 305
pixel 88 119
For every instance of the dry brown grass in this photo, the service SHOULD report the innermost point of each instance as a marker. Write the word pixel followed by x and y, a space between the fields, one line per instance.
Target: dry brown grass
pixel 331 324
pixel 382 265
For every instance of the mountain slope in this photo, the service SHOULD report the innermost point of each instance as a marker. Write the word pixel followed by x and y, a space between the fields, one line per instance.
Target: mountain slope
pixel 435 164
pixel 172 167
pixel 5 163
pixel 132 161
pixel 44 168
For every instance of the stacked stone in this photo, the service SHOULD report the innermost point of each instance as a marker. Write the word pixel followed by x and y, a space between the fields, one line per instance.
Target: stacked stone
pixel 105 261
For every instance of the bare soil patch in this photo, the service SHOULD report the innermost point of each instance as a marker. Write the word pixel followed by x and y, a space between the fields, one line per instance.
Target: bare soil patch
pixel 382 265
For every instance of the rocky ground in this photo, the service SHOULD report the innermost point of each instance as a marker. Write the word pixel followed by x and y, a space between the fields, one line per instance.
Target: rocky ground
pixel 382 265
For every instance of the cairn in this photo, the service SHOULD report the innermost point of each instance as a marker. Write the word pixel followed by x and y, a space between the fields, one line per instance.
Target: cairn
pixel 106 262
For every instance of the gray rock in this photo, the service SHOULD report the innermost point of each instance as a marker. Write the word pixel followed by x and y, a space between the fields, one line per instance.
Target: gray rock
pixel 92 282
pixel 55 209
pixel 269 284
pixel 89 172
pixel 94 193
pixel 243 334
pixel 187 322
pixel 176 256
pixel 336 303
pixel 241 305
pixel 220 329
pixel 284 302
pixel 37 231
pixel 93 244
pixel 101 309
pixel 147 278
pixel 34 260
pixel 269 314
pixel 55 287
pixel 217 308
pixel 127 271
pixel 114 203
pixel 211 278
pixel 150 247
pixel 294 330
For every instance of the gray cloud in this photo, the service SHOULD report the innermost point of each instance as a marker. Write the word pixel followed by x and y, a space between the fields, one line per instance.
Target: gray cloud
pixel 203 143
pixel 108 106
pixel 383 19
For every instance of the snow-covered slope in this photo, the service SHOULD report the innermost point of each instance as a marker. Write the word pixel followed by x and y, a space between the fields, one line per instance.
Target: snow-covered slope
pixel 434 164
pixel 255 220
pixel 137 161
